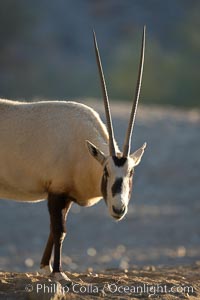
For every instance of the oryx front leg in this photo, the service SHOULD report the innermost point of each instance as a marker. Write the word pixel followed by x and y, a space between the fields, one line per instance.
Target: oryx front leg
pixel 58 206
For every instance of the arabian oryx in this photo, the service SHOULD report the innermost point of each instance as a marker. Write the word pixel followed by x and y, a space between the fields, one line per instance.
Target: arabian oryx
pixel 63 152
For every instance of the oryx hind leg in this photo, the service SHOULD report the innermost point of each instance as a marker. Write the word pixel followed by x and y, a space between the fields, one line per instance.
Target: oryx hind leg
pixel 45 264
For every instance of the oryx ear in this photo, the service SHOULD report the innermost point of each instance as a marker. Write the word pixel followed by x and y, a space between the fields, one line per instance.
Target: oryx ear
pixel 137 155
pixel 96 153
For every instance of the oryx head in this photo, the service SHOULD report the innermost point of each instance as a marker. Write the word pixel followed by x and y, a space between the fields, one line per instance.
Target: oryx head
pixel 118 168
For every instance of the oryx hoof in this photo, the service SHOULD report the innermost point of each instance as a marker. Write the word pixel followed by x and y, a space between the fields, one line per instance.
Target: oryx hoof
pixel 45 270
pixel 61 277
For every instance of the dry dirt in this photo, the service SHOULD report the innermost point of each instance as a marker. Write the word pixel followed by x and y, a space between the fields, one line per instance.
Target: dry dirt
pixel 146 283
pixel 161 229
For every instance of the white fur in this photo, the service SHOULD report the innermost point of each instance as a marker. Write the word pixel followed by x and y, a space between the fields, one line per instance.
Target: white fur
pixel 43 149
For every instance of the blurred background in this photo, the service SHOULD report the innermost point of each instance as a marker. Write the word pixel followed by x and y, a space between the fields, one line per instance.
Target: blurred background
pixel 47 49
pixel 47 52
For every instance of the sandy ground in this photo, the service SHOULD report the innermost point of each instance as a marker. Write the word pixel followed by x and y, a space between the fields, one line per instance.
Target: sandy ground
pixel 146 283
pixel 161 227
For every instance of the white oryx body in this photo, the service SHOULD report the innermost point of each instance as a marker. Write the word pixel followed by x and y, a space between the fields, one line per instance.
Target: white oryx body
pixel 43 149
pixel 62 151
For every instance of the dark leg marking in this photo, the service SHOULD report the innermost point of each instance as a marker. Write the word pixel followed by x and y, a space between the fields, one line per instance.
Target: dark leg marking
pixel 47 252
pixel 117 186
pixel 58 206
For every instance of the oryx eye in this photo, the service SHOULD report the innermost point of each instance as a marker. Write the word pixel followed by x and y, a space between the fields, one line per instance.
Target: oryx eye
pixel 131 173
pixel 106 172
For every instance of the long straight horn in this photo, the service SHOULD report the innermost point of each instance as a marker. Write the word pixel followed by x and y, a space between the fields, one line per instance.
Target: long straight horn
pixel 127 142
pixel 105 97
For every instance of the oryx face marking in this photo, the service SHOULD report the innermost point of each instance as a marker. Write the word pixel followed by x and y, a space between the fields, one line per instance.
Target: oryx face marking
pixel 117 186
pixel 116 183
pixel 119 161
